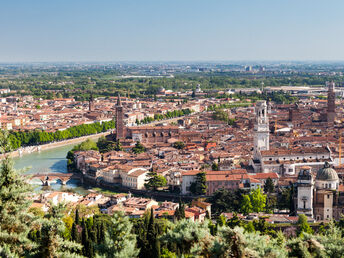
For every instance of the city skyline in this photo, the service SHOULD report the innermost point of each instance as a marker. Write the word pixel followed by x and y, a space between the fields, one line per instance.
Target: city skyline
pixel 106 31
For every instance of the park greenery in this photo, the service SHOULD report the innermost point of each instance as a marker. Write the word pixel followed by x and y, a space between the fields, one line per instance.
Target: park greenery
pixel 167 115
pixel 82 231
pixel 36 137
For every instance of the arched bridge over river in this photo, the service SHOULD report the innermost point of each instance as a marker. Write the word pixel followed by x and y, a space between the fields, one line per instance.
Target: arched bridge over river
pixel 47 178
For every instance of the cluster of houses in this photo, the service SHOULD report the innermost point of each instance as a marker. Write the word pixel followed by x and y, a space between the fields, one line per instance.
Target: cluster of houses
pixel 134 207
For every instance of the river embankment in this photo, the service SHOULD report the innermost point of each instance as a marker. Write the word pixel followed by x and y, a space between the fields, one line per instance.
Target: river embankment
pixel 31 149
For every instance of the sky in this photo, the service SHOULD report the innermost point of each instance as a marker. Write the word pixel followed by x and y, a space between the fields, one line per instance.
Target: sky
pixel 174 30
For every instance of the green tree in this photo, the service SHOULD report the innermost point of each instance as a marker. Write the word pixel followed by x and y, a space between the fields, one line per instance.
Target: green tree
pixel 246 205
pixel 215 166
pixel 15 220
pixel 187 235
pixel 269 186
pixel 154 181
pixel 179 145
pixel 199 187
pixel 139 148
pixel 51 243
pixel 303 226
pixel 119 240
pixel 258 200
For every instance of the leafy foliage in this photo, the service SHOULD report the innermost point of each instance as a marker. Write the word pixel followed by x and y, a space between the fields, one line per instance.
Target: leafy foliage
pixel 154 181
pixel 199 187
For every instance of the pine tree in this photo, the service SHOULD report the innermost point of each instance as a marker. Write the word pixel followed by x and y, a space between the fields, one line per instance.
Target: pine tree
pixel 15 220
pixel 119 241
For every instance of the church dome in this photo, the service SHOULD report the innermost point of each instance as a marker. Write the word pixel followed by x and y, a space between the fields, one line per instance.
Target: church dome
pixel 327 173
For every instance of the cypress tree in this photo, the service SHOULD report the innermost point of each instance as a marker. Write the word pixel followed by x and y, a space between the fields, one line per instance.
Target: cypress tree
pixel 77 219
pixel 74 233
pixel 84 238
pixel 182 211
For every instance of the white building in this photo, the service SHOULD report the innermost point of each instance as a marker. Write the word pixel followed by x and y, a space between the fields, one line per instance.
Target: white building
pixel 261 129
pixel 318 198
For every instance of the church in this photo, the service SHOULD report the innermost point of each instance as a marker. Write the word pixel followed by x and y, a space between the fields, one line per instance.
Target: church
pixel 284 161
pixel 149 134
pixel 319 196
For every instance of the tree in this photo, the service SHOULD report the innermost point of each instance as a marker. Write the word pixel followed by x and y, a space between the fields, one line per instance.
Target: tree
pixel 246 206
pixel 51 243
pixel 119 240
pixel 215 166
pixel 221 220
pixel 258 200
pixel 15 220
pixel 199 187
pixel 179 145
pixel 187 235
pixel 154 181
pixel 303 226
pixel 139 148
pixel 269 186
pixel 234 221
pixel 225 200
pixel 86 145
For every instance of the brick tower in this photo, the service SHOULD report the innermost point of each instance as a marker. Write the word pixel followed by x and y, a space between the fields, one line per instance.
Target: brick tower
pixel 91 103
pixel 331 103
pixel 120 132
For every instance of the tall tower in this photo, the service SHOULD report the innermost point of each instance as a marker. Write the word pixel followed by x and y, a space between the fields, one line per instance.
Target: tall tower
pixel 331 102
pixel 120 132
pixel 305 188
pixel 261 129
pixel 91 103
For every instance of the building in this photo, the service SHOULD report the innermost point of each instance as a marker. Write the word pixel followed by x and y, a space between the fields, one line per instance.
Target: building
pixel 261 129
pixel 331 103
pixel 120 128
pixel 320 198
pixel 284 161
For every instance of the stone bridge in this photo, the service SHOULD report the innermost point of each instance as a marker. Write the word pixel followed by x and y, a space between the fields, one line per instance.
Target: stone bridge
pixel 47 178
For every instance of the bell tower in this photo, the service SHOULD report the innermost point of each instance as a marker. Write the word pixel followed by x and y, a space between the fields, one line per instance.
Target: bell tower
pixel 305 187
pixel 331 103
pixel 261 129
pixel 120 132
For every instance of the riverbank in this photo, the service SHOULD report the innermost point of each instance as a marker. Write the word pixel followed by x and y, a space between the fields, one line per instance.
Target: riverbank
pixel 31 149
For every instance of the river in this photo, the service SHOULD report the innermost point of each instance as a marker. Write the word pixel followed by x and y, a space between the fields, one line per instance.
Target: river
pixel 52 160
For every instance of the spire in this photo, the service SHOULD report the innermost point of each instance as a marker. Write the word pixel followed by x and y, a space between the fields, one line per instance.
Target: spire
pixel 119 100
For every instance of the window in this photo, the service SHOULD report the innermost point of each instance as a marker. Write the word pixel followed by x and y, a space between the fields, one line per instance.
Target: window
pixel 328 197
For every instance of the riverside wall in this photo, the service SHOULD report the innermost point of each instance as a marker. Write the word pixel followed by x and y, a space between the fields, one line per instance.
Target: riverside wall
pixel 52 145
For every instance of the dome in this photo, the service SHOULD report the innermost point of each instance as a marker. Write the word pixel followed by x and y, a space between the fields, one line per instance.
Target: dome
pixel 327 173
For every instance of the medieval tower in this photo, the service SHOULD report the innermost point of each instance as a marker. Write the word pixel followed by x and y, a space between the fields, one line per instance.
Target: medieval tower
pixel 120 129
pixel 261 129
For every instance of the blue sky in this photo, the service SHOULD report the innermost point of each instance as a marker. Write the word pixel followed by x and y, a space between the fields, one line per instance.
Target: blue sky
pixel 176 30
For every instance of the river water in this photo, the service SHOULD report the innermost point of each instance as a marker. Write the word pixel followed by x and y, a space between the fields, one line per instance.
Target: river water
pixel 46 161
